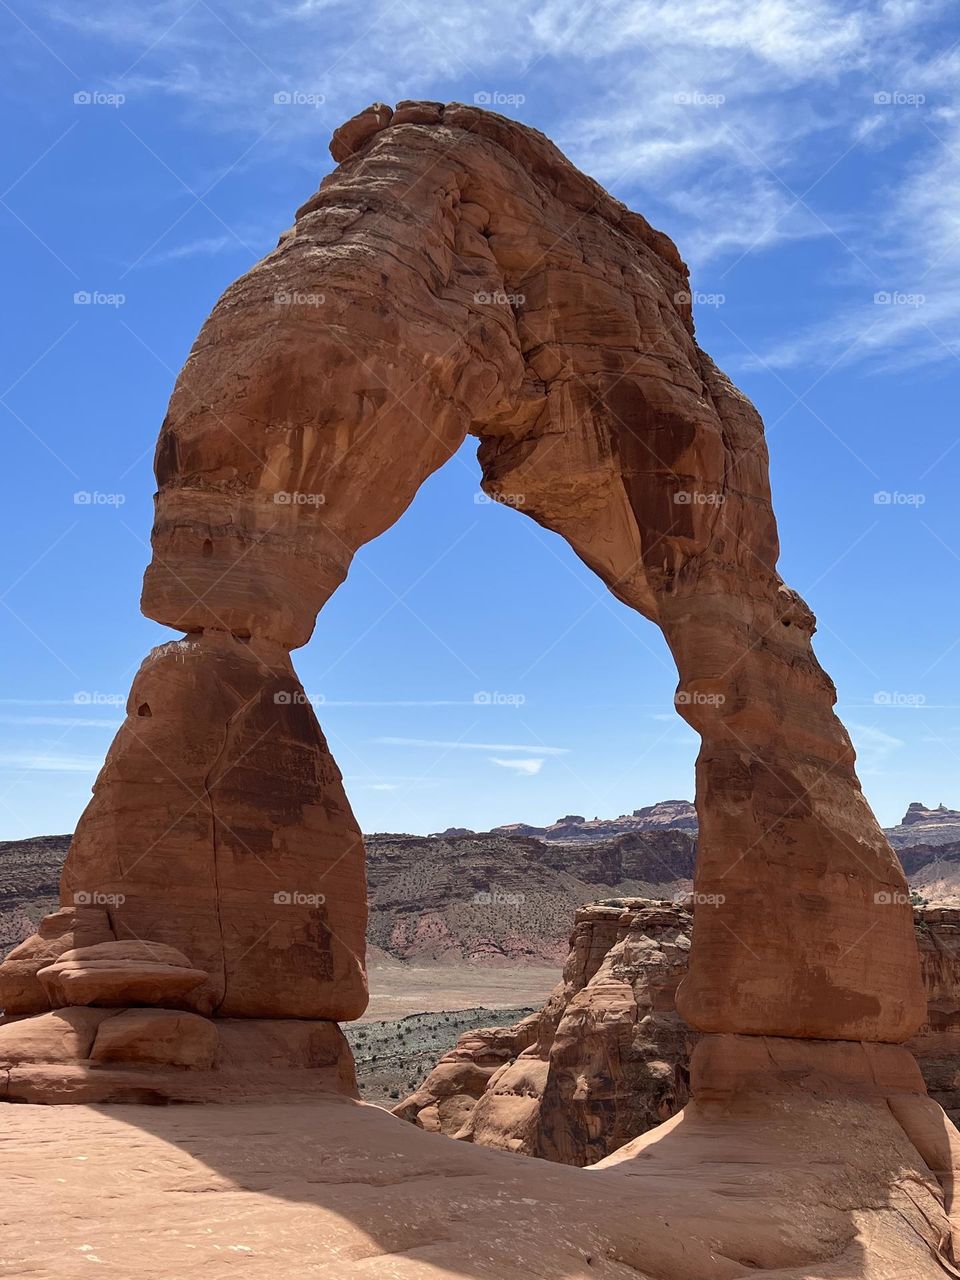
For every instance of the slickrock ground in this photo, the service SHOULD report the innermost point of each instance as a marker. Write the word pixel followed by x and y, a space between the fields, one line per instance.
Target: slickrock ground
pixel 822 1189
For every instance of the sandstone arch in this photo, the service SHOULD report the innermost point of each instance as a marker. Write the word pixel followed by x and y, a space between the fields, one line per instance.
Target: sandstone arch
pixel 456 275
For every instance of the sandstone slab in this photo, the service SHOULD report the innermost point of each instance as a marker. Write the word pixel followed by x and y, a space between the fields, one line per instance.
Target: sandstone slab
pixel 118 974
pixel 63 1035
pixel 830 1190
pixel 72 926
pixel 157 1037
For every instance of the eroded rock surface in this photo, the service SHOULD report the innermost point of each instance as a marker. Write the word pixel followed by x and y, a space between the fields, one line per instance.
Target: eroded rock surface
pixel 21 990
pixel 219 826
pixel 772 1188
pixel 937 1043
pixel 608 1058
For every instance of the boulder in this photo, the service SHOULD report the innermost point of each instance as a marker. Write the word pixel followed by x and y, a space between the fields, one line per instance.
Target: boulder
pixel 21 991
pixel 117 974
pixel 157 1037
pixel 63 1035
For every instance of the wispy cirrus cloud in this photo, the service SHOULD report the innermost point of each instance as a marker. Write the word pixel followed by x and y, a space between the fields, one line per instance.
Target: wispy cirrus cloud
pixel 472 746
pixel 721 122
pixel 524 766
pixel 874 748
pixel 65 722
pixel 40 762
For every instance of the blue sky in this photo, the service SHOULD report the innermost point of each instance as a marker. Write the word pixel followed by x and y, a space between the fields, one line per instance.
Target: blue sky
pixel 806 159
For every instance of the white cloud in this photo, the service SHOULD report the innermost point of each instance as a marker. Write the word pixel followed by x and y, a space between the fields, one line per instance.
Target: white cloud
pixel 30 762
pixel 523 766
pixel 66 722
pixel 472 746
pixel 874 748
pixel 717 120
pixel 204 247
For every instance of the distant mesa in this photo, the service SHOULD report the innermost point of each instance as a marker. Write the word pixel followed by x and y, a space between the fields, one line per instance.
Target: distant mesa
pixel 678 814
pixel 917 812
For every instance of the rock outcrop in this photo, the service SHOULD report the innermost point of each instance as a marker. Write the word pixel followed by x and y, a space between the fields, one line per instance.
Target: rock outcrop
pixel 677 815
pixel 21 990
pixel 608 1058
pixel 937 1043
pixel 919 815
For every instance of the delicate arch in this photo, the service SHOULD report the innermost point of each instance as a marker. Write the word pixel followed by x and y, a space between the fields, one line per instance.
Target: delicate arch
pixel 456 275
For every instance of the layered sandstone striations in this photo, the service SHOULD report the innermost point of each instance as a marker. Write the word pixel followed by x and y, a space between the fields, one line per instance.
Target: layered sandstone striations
pixel 937 1043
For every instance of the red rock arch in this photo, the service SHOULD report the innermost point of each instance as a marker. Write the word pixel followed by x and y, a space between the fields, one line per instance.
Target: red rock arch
pixel 456 275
